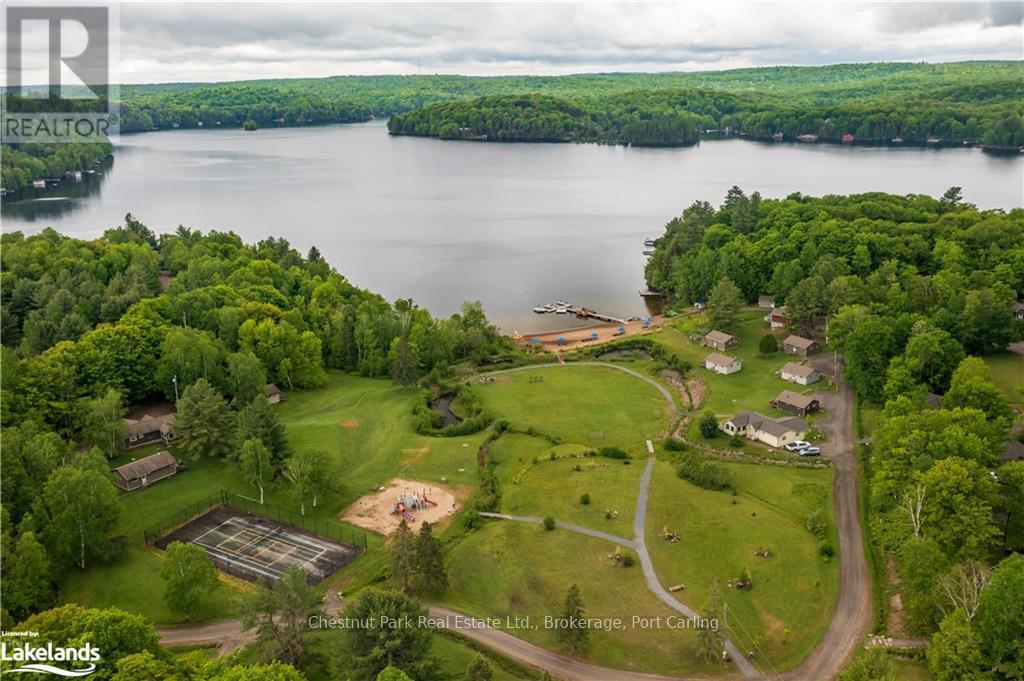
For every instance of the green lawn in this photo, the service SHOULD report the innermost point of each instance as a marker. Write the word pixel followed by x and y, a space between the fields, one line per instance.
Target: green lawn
pixel 593 406
pixel 364 424
pixel 514 569
pixel 1008 373
pixel 755 385
pixel 554 488
pixel 795 590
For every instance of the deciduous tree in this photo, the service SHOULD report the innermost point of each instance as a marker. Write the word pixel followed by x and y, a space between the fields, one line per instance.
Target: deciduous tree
pixel 189 576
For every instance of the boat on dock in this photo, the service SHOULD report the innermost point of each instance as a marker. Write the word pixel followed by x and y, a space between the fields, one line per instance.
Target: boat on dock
pixel 649 243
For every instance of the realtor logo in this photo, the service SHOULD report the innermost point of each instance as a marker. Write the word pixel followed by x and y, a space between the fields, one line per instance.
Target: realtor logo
pixel 57 73
pixel 38 659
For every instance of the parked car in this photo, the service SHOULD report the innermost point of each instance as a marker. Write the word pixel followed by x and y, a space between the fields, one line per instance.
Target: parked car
pixel 810 451
pixel 797 445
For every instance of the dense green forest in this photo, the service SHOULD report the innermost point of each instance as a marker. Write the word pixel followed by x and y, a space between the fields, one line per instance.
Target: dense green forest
pixel 986 113
pixel 862 262
pixel 978 102
pixel 83 317
pixel 915 293
pixel 20 165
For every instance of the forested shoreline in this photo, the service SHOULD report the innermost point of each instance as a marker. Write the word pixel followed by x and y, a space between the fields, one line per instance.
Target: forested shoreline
pixel 941 104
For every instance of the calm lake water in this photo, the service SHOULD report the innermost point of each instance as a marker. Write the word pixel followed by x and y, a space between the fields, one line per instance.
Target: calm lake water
pixel 512 225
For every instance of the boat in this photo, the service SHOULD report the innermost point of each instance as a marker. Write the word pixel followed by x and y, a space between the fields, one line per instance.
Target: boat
pixel 897 140
pixel 540 309
pixel 649 243
pixel 561 310
pixel 648 251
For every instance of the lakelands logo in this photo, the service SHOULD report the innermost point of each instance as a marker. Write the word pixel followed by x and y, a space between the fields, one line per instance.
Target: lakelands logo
pixel 36 659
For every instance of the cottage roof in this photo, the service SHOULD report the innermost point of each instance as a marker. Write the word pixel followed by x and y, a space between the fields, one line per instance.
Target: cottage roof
pixel 149 424
pixel 799 342
pixel 718 359
pixel 767 424
pixel 146 466
pixel 795 399
pixel 1014 451
pixel 719 337
pixel 795 369
pixel 272 390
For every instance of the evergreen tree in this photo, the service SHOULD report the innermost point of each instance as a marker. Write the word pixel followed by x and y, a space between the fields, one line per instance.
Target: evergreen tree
pixel 769 344
pixel 430 576
pixel 28 584
pixel 403 557
pixel 573 632
pixel 403 362
pixel 258 420
pixel 724 305
pixel 204 425
pixel 708 425
pixel 709 638
pixel 371 649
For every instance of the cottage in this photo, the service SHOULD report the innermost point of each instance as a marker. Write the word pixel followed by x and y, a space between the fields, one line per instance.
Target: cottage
pixel 722 364
pixel 147 429
pixel 799 373
pixel 1018 311
pixel 766 302
pixel 146 471
pixel 795 403
pixel 933 401
pixel 772 432
pixel 777 317
pixel 721 341
pixel 797 345
pixel 274 394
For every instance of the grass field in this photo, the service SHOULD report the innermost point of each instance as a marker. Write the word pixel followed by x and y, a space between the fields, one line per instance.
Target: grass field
pixel 1008 373
pixel 795 590
pixel 513 569
pixel 593 406
pixel 553 487
pixel 755 385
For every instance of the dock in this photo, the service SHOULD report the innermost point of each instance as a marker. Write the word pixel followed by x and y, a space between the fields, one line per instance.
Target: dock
pixel 590 314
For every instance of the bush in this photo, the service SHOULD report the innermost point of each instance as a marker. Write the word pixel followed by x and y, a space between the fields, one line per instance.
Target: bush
pixel 612 453
pixel 585 499
pixel 736 442
pixel 817 525
pixel 627 560
pixel 826 550
pixel 549 523
pixel 694 468
pixel 769 344
pixel 709 425
pixel 673 444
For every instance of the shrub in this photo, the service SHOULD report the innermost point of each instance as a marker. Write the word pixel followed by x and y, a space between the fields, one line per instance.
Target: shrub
pixel 549 523
pixel 612 453
pixel 694 468
pixel 826 550
pixel 585 499
pixel 673 444
pixel 736 442
pixel 709 425
pixel 627 560
pixel 768 345
pixel 817 525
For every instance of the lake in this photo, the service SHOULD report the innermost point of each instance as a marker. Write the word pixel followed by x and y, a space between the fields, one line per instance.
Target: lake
pixel 511 225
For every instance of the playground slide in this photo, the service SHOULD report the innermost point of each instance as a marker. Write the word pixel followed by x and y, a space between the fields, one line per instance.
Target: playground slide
pixel 425 500
pixel 405 513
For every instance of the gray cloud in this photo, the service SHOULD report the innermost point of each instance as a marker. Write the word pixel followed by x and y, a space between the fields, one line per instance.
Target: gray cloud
pixel 168 41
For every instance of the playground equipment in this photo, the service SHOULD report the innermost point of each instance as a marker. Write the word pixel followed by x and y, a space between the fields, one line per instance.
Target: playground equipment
pixel 407 503
pixel 669 536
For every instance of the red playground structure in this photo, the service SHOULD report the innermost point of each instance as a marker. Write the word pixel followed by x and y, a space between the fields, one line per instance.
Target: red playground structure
pixel 407 503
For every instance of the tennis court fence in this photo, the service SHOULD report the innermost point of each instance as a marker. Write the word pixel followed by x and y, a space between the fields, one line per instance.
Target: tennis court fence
pixel 324 528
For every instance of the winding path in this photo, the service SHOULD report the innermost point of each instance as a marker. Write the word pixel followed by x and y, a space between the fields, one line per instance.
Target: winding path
pixel 847 628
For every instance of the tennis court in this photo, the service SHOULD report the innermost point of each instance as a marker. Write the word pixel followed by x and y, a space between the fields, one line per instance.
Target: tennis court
pixel 258 548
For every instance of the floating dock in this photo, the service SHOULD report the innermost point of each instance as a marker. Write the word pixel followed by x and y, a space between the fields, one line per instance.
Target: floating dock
pixel 590 314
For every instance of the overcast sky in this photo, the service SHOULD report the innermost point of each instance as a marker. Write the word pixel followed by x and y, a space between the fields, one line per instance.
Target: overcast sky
pixel 197 41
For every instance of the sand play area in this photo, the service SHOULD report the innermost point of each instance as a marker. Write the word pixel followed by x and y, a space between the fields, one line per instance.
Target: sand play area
pixel 374 511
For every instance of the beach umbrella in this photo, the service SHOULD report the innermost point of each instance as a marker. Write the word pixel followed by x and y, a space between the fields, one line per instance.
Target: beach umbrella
pixel 561 340
pixel 622 329
pixel 535 341
pixel 594 335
